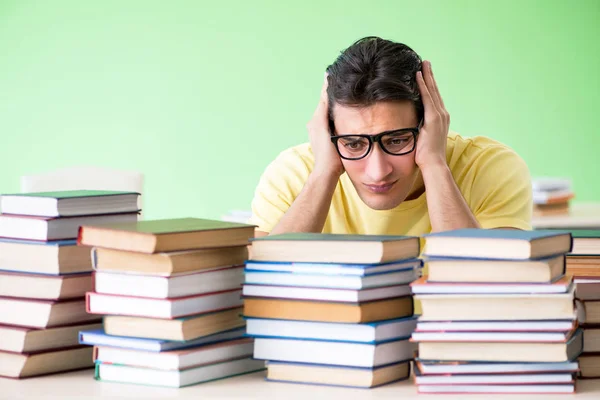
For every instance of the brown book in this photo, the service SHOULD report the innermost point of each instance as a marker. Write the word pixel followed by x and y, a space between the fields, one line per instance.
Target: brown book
pixel 187 328
pixel 43 313
pixel 335 248
pixel 583 266
pixel 156 236
pixel 167 264
pixel 61 257
pixel 24 365
pixel 588 311
pixel 589 365
pixel 49 287
pixel 371 311
pixel 26 340
pixel 496 307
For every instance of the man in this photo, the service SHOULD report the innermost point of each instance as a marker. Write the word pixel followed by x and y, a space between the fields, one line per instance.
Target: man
pixel 381 159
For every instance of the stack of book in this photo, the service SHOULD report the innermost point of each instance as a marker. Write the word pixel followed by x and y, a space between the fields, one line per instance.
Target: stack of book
pixel 170 294
pixel 551 196
pixel 498 313
pixel 583 263
pixel 332 309
pixel 44 276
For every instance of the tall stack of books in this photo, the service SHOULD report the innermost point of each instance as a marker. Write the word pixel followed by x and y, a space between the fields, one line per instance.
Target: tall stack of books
pixel 551 196
pixel 44 276
pixel 332 309
pixel 498 313
pixel 583 263
pixel 170 294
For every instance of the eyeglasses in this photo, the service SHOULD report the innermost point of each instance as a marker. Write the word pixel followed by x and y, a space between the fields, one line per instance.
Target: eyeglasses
pixel 397 143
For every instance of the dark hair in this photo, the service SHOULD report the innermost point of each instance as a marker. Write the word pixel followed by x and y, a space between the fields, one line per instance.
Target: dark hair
pixel 372 70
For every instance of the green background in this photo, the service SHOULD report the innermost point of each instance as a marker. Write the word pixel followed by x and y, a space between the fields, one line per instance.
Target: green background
pixel 200 96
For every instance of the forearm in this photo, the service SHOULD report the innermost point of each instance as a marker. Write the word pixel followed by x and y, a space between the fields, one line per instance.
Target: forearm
pixel 448 209
pixel 309 210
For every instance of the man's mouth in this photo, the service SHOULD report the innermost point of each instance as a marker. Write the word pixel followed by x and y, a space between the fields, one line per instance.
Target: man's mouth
pixel 380 188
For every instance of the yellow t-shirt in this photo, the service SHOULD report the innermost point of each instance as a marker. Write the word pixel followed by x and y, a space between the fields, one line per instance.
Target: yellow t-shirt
pixel 492 178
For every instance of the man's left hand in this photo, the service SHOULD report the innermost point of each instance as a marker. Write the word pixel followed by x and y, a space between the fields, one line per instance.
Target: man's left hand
pixel 431 144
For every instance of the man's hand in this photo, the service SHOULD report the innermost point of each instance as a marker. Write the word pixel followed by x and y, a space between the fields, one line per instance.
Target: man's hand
pixel 327 160
pixel 431 145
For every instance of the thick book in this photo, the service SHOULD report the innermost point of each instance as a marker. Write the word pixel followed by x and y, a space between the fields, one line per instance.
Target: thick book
pixel 27 340
pixel 188 328
pixel 507 244
pixel 424 286
pixel 26 365
pixel 334 248
pixel 333 353
pixel 497 307
pixel 466 270
pixel 391 278
pixel 54 228
pixel 586 242
pixel 373 332
pixel 583 266
pixel 97 337
pixel 330 375
pixel 589 364
pixel 326 294
pixel 174 360
pixel 588 311
pixel 163 287
pixel 166 235
pixel 302 310
pixel 167 264
pixel 503 351
pixel 99 303
pixel 175 379
pixel 45 287
pixel 43 313
pixel 69 203
pixel 52 258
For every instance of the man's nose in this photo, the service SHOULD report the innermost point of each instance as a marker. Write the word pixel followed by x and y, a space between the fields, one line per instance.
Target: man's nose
pixel 378 164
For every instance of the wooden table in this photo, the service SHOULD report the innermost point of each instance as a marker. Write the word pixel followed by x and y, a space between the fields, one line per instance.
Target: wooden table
pixel 81 385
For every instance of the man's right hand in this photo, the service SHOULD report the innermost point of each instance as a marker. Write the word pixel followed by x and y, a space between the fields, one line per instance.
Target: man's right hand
pixel 327 160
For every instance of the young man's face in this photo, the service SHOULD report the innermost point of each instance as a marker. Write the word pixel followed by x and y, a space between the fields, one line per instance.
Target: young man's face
pixel 382 180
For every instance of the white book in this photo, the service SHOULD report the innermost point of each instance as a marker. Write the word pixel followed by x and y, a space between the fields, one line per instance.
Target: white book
pixel 561 388
pixel 495 326
pixel 464 367
pixel 325 294
pixel 491 336
pixel 494 379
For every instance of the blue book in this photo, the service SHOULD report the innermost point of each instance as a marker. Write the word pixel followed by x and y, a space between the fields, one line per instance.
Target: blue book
pixel 372 332
pixel 506 244
pixel 334 248
pixel 327 375
pixel 97 337
pixel 316 268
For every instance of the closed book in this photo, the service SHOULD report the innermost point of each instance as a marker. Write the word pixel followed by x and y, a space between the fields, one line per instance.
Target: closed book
pixel 326 294
pixel 425 286
pixel 166 235
pixel 18 339
pixel 43 313
pixel 48 287
pixel 25 365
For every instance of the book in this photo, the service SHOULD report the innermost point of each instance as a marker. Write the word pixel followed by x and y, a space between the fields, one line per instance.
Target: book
pixel 503 388
pixel 161 287
pixel 371 311
pixel 424 286
pixel 188 328
pixel 586 242
pixel 174 360
pixel 391 278
pixel 333 353
pixel 591 338
pixel 589 364
pixel 25 365
pixel 503 351
pixel 496 307
pixel 495 379
pixel 49 287
pixel 27 340
pixel 166 235
pixel 334 248
pixel 316 268
pixel 54 228
pixel 482 337
pixel 69 203
pixel 587 289
pixel 167 264
pixel 186 377
pixel 99 303
pixel 43 313
pixel 507 244
pixel 588 311
pixel 467 270
pixel 337 376
pixel 497 326
pixel 374 332
pixel 465 367
pixel 97 337
pixel 326 294
pixel 583 266
pixel 54 257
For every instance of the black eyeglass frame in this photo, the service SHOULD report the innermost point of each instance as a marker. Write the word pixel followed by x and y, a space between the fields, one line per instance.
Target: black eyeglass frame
pixel 377 138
